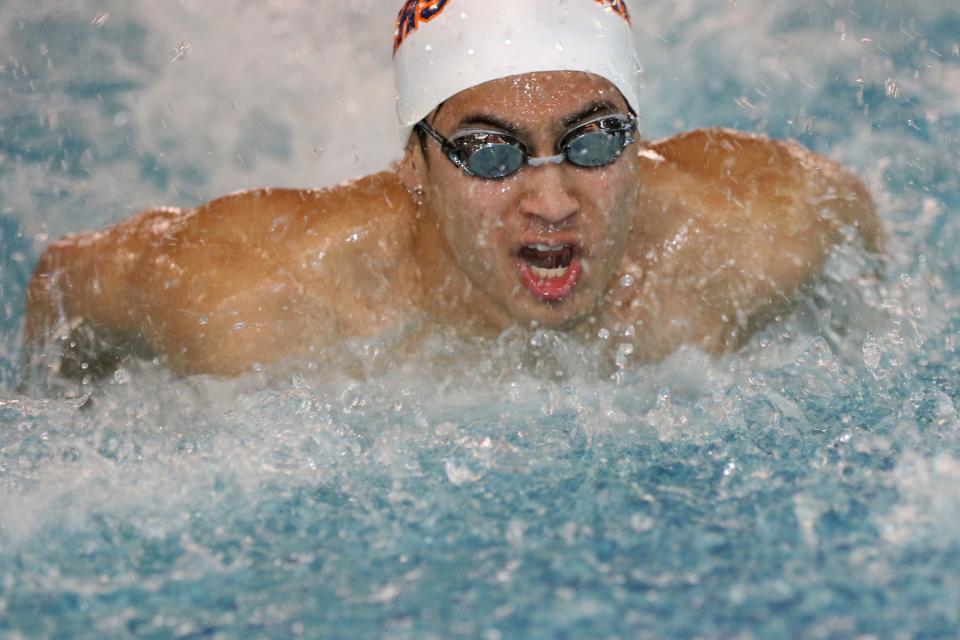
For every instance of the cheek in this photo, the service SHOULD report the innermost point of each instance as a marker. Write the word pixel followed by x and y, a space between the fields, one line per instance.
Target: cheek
pixel 615 201
pixel 471 218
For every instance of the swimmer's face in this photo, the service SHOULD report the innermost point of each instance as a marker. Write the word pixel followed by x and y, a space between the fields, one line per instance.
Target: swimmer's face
pixel 541 245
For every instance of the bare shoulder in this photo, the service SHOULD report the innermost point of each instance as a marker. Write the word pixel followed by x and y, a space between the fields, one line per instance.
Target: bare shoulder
pixel 279 272
pixel 736 225
pixel 266 217
pixel 757 180
pixel 258 218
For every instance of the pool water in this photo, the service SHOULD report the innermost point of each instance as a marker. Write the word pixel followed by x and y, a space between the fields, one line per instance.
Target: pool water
pixel 806 487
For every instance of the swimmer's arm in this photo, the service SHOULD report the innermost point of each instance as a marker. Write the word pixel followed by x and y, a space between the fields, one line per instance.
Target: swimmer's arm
pixel 248 279
pixel 767 217
pixel 80 296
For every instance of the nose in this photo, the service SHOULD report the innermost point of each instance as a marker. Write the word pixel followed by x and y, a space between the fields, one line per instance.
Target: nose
pixel 547 195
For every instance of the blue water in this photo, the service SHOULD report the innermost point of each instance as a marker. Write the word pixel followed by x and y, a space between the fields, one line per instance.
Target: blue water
pixel 807 487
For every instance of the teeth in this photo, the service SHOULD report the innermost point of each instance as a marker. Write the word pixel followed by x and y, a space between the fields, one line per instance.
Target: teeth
pixel 548 274
pixel 546 247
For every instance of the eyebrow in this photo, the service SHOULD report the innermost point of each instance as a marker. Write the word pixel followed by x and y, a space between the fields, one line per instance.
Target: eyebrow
pixel 593 108
pixel 492 121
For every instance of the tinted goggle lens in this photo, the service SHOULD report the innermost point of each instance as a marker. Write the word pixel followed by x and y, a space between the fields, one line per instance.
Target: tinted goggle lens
pixel 493 160
pixel 595 148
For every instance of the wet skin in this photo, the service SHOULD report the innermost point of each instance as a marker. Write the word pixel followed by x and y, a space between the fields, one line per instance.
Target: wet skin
pixel 699 239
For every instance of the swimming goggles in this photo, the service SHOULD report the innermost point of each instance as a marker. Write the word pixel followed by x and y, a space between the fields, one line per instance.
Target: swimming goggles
pixel 493 154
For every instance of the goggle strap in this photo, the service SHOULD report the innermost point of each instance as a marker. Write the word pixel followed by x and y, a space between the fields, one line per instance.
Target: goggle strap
pixel 445 145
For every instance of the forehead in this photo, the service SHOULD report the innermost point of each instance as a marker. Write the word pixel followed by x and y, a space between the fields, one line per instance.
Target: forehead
pixel 532 97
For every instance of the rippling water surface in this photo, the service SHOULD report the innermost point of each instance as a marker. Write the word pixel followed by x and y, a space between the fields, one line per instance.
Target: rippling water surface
pixel 806 487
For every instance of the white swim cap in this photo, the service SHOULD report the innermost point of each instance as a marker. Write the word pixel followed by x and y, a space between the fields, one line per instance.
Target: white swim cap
pixel 443 47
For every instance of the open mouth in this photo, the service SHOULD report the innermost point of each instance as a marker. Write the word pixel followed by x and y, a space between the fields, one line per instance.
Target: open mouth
pixel 549 271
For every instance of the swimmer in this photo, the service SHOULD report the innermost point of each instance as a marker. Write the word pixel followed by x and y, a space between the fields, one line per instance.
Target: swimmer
pixel 527 197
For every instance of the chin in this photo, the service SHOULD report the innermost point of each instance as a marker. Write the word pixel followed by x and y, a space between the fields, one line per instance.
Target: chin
pixel 562 314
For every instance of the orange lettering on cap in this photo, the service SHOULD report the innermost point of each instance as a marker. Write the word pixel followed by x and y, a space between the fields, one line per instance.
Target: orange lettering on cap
pixel 617 6
pixel 412 14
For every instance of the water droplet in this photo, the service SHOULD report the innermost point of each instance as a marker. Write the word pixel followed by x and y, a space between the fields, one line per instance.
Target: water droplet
pixel 428 48
pixel 508 42
pixel 239 326
pixel 603 333
pixel 627 280
pixel 470 52
pixel 203 321
pixel 891 88
pixel 459 475
pixel 515 532
pixel 622 358
pixel 871 352
pixel 183 49
pixel 641 523
pixel 559 46
pixel 945 407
